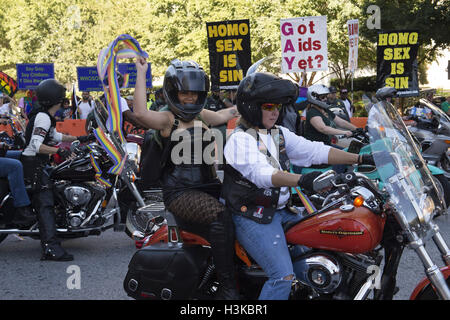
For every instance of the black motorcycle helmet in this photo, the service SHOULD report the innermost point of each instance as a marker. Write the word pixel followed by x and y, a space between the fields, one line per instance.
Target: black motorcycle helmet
pixel 386 92
pixel 261 87
pixel 50 92
pixel 185 76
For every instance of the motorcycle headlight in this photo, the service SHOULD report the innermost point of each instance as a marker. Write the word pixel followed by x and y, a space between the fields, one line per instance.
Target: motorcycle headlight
pixel 427 206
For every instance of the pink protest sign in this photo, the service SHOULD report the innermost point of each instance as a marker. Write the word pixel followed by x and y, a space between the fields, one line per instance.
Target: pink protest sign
pixel 304 44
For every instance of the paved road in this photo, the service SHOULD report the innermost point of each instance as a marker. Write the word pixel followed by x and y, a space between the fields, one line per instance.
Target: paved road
pixel 103 263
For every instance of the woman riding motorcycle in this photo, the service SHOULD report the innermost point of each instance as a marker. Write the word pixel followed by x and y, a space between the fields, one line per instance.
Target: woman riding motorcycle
pixel 321 122
pixel 256 182
pixel 190 187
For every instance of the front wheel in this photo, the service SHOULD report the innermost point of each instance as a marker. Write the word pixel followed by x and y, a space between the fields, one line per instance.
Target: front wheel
pixel 140 222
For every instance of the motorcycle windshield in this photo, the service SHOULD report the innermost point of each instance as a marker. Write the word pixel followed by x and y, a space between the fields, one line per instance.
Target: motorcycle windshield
pixel 436 110
pixel 401 167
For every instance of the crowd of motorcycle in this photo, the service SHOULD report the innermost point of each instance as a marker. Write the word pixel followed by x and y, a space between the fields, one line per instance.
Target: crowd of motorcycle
pixel 362 220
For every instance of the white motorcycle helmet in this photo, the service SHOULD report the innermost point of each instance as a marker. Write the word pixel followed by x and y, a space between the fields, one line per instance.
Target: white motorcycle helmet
pixel 317 95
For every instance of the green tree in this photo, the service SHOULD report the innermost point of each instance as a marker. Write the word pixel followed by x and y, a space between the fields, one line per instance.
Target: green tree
pixel 72 33
pixel 430 17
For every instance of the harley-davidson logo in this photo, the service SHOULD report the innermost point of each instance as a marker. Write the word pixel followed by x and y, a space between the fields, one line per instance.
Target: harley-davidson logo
pixel 340 233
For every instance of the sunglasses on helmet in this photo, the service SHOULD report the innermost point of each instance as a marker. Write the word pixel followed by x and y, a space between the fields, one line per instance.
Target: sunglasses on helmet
pixel 271 106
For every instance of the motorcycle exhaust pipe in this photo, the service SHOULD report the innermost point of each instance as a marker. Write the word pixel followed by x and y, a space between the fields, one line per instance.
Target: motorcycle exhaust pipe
pixel 26 232
pixel 364 291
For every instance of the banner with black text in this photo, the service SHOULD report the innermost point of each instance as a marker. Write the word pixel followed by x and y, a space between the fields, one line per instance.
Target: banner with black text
pixel 397 61
pixel 229 52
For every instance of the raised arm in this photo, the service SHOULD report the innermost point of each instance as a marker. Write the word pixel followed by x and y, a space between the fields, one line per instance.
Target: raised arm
pixel 150 119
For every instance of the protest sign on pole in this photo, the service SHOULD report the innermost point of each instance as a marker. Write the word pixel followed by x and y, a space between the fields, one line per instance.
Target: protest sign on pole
pixel 7 84
pixel 229 52
pixel 304 44
pixel 88 79
pixel 397 61
pixel 353 39
pixel 29 75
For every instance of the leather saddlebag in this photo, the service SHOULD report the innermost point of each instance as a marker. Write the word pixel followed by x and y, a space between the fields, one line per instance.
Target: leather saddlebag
pixel 166 271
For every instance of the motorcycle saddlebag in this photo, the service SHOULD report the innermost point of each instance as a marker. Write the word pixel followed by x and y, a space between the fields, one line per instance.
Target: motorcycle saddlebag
pixel 166 271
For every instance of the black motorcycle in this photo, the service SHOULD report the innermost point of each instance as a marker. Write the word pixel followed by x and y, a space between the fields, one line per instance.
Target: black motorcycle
pixel 83 204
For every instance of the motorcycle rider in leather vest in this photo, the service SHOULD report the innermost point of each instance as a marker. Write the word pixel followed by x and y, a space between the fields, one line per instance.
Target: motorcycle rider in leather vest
pixel 36 158
pixel 257 182
pixel 190 186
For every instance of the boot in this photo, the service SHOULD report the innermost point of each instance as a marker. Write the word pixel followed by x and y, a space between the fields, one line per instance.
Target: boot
pixel 54 252
pixel 24 216
pixel 221 238
pixel 51 247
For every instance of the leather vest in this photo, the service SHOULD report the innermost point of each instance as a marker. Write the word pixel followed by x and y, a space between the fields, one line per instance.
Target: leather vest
pixel 243 197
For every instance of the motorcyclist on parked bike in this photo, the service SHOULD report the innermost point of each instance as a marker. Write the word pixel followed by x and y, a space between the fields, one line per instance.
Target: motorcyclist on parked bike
pixel 41 129
pixel 256 182
pixel 190 187
pixel 321 122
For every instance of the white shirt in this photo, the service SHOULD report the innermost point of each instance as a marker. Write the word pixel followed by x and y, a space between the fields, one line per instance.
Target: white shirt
pixel 123 108
pixel 348 107
pixel 242 153
pixel 85 108
pixel 42 125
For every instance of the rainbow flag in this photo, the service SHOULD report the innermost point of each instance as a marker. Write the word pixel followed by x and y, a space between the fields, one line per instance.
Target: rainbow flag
pixel 98 172
pixel 123 47
pixel 305 200
pixel 112 151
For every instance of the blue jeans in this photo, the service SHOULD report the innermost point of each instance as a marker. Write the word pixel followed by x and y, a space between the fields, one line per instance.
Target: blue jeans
pixel 13 170
pixel 266 244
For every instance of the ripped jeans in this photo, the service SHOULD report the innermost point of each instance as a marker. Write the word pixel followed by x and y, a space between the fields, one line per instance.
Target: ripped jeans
pixel 266 244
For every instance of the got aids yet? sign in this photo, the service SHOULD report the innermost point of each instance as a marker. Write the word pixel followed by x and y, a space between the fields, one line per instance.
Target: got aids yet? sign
pixel 304 44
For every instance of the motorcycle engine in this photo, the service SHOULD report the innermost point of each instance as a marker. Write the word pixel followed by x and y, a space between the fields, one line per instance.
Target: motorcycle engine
pixel 78 201
pixel 322 272
pixel 77 195
pixel 340 276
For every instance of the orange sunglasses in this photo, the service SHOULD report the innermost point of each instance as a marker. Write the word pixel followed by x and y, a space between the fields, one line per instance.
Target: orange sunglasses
pixel 271 106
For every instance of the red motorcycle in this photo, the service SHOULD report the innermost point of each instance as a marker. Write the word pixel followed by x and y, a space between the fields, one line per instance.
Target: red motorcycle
pixel 337 251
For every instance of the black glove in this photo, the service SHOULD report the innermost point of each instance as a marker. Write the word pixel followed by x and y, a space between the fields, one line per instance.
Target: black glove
pixel 366 159
pixel 358 131
pixel 63 153
pixel 306 180
pixel 87 138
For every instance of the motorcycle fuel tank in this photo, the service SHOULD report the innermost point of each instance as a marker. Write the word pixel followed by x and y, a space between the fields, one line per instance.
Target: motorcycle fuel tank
pixel 79 170
pixel 356 231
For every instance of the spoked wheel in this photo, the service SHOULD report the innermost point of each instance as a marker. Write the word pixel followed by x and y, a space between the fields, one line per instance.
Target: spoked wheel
pixel 139 222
